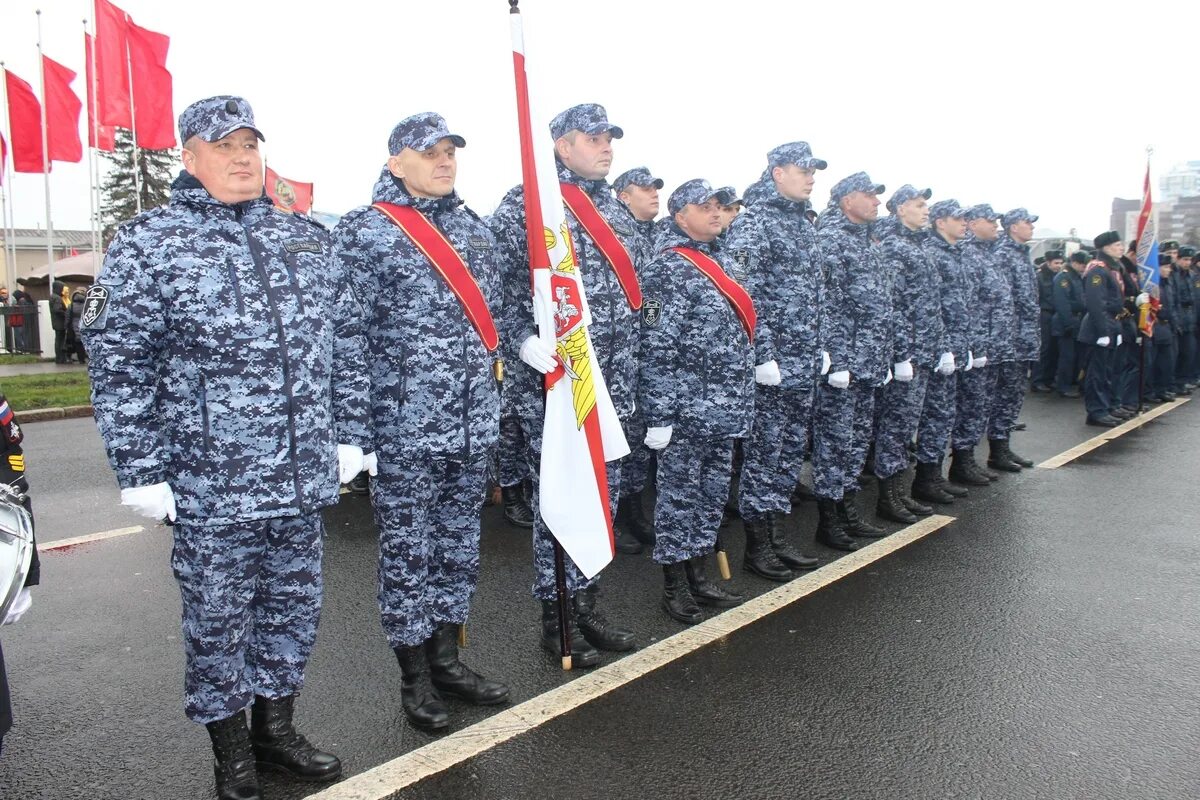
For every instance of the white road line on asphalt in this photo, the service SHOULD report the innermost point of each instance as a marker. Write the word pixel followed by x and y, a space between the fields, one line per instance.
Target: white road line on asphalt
pixel 390 777
pixel 1075 452
pixel 58 544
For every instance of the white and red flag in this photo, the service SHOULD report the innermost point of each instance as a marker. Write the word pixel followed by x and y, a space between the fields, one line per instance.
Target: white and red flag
pixel 581 430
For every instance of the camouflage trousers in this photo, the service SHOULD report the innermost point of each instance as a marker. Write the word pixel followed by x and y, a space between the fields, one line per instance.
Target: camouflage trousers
pixel 842 423
pixel 975 391
pixel 635 467
pixel 937 416
pixel 251 601
pixel 900 407
pixel 544 585
pixel 693 485
pixel 512 453
pixel 427 512
pixel 1007 399
pixel 773 455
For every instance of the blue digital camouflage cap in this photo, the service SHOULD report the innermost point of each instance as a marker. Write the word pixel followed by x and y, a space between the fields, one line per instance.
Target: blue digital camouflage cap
pixel 904 194
pixel 946 208
pixel 1018 215
pixel 731 193
pixel 696 191
pixel 590 118
pixel 798 153
pixel 858 182
pixel 421 132
pixel 982 211
pixel 215 118
pixel 638 176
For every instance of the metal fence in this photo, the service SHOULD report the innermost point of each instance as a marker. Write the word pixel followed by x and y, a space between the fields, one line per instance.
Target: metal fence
pixel 21 330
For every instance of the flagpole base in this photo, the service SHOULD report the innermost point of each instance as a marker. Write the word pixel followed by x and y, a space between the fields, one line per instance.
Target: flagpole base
pixel 723 565
pixel 462 635
pixel 566 663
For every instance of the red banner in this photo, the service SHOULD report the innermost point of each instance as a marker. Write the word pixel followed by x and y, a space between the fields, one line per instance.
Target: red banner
pixel 62 112
pixel 102 137
pixel 289 195
pixel 152 109
pixel 24 125
pixel 112 65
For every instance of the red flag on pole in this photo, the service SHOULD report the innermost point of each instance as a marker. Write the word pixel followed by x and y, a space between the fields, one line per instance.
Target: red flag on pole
pixel 3 158
pixel 102 137
pixel 581 429
pixel 112 65
pixel 154 116
pixel 289 195
pixel 62 113
pixel 24 125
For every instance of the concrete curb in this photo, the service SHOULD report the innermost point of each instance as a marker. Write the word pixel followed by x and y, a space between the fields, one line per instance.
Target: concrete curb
pixel 48 414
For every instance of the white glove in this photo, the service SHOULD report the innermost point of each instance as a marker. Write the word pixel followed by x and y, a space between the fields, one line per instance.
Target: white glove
pixel 350 462
pixel 888 378
pixel 371 464
pixel 839 379
pixel 156 501
pixel 1103 341
pixel 981 362
pixel 1118 340
pixel 538 355
pixel 825 363
pixel 768 374
pixel 946 364
pixel 903 371
pixel 19 607
pixel 970 361
pixel 1142 299
pixel 658 438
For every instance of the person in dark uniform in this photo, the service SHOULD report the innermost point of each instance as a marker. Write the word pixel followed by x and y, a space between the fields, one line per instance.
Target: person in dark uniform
pixel 1064 325
pixel 1165 337
pixel 1048 357
pixel 1100 330
pixel 12 473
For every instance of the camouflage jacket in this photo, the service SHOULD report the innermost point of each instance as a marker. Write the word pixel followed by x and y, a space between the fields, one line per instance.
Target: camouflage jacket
pixel 991 304
pixel 226 358
pixel 957 298
pixel 918 331
pixel 1012 259
pixel 431 382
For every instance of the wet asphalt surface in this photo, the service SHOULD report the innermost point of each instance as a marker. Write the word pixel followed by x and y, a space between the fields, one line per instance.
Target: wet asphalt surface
pixel 1045 645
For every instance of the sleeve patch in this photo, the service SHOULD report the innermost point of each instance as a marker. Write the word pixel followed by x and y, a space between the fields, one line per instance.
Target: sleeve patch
pixel 651 311
pixel 95 308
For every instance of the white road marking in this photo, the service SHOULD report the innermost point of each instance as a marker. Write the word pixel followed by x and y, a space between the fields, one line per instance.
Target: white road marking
pixel 1075 452
pixel 58 544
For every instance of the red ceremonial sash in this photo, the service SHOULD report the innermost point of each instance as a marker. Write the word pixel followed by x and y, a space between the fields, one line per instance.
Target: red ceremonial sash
pixel 738 297
pixel 448 263
pixel 600 232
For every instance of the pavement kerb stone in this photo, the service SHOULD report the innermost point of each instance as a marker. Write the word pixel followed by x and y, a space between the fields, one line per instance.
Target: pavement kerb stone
pixel 48 414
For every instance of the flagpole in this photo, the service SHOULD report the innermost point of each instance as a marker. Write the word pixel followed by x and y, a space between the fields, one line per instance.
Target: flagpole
pixel 137 178
pixel 46 163
pixel 8 221
pixel 93 156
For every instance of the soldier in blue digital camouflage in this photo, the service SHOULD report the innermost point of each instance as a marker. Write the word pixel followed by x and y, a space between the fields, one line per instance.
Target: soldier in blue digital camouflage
pixel 856 330
pixel 944 246
pixel 583 139
pixel 773 250
pixel 229 386
pixel 638 189
pixel 730 210
pixel 435 404
pixel 696 382
pixel 918 346
pixel 1012 260
pixel 991 310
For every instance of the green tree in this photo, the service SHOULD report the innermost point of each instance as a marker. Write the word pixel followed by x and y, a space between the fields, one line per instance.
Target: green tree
pixel 156 170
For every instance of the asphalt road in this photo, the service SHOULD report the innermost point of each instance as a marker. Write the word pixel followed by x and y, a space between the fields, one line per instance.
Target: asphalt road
pixel 1043 645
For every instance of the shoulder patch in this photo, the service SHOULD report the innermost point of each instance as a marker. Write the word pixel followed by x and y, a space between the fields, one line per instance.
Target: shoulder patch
pixel 95 308
pixel 651 311
pixel 1097 280
pixel 302 246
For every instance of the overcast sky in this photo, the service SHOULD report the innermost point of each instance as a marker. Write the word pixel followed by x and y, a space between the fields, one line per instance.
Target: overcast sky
pixel 1046 105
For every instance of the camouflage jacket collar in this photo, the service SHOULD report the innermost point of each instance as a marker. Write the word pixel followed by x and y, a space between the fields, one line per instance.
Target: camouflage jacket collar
pixel 765 191
pixel 891 226
pixel 1005 240
pixel 187 191
pixel 940 242
pixel 672 236
pixel 591 187
pixel 390 189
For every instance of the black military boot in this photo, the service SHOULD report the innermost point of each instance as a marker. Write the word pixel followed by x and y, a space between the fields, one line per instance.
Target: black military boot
pixel 596 628
pixel 854 522
pixel 829 528
pixel 452 677
pixel 279 746
pixel 889 505
pixel 963 469
pixel 677 596
pixel 1020 461
pixel 998 456
pixel 803 494
pixel 422 704
pixel 516 509
pixel 791 558
pixel 583 653
pixel 703 590
pixel 926 485
pixel 760 557
pixel 234 769
pixel 905 497
pixel 625 541
pixel 635 519
pixel 945 485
